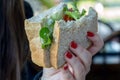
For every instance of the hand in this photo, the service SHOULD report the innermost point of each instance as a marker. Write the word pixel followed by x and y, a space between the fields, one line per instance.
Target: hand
pixel 81 62
pixel 78 61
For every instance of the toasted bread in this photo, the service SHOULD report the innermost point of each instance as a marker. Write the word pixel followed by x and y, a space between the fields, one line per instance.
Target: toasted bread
pixel 65 32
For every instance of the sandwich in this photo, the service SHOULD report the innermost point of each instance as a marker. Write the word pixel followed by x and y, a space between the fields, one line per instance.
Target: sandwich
pixel 50 33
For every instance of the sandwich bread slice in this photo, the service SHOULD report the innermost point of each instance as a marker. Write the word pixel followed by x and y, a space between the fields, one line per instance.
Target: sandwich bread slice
pixel 40 56
pixel 64 33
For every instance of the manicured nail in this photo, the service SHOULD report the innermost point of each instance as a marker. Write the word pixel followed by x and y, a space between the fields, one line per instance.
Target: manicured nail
pixel 66 67
pixel 68 55
pixel 73 44
pixel 90 34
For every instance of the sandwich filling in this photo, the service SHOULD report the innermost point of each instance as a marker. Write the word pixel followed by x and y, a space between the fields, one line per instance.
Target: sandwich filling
pixel 67 14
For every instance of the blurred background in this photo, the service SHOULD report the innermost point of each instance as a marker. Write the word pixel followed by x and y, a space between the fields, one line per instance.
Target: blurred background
pixel 106 64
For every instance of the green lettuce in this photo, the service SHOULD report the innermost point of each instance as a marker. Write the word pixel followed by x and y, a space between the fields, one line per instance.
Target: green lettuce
pixel 74 13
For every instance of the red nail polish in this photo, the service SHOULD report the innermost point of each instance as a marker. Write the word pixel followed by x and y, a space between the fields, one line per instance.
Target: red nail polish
pixel 68 55
pixel 66 67
pixel 90 34
pixel 73 45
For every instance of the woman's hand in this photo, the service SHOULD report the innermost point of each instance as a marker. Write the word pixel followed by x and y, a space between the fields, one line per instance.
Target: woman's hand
pixel 81 62
pixel 78 61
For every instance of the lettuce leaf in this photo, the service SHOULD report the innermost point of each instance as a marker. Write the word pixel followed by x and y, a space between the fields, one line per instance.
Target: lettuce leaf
pixel 45 37
pixel 75 14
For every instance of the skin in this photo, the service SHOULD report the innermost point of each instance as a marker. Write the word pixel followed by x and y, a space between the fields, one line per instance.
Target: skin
pixel 79 65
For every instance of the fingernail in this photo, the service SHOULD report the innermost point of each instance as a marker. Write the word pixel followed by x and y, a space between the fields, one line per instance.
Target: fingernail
pixel 73 44
pixel 90 34
pixel 66 67
pixel 68 55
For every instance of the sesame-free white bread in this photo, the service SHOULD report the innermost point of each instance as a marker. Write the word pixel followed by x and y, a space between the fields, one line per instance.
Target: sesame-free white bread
pixel 65 32
pixel 39 56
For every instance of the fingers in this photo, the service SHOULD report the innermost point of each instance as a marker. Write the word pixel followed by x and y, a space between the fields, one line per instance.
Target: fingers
pixel 82 61
pixel 83 55
pixel 97 42
pixel 76 64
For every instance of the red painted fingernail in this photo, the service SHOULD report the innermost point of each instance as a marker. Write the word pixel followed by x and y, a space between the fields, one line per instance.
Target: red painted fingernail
pixel 73 44
pixel 65 67
pixel 90 34
pixel 68 55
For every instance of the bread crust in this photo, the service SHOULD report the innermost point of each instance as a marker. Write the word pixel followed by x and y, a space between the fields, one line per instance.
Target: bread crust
pixel 39 56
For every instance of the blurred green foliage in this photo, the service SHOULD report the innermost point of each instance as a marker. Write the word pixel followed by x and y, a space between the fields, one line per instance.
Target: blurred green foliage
pixel 47 3
pixel 51 3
